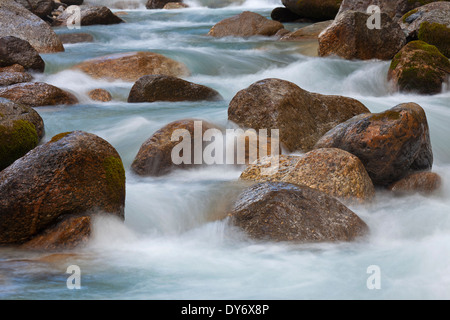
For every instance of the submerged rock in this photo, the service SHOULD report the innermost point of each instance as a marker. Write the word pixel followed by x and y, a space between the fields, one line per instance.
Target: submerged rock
pixel 350 38
pixel 389 144
pixel 17 51
pixel 332 171
pixel 419 182
pixel 301 117
pixel 100 95
pixel 286 212
pixel 131 66
pixel 37 94
pixel 21 23
pixel 21 129
pixel 153 88
pixel 76 37
pixel 76 174
pixel 246 24
pixel 419 67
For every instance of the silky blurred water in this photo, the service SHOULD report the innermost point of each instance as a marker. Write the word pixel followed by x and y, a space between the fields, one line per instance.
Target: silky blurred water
pixel 171 245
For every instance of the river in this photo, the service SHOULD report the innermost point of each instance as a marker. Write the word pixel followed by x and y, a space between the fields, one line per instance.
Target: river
pixel 170 246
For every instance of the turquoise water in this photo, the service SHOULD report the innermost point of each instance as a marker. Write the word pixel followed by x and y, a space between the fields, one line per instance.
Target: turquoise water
pixel 170 246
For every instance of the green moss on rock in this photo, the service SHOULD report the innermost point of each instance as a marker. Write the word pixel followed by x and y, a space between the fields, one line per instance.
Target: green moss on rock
pixel 387 115
pixel 59 136
pixel 437 35
pixel 115 177
pixel 16 139
pixel 408 14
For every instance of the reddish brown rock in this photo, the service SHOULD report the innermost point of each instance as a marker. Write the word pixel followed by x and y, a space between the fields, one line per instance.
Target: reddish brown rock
pixel 246 24
pixel 350 38
pixel 332 171
pixel 131 66
pixel 155 155
pixel 153 88
pixel 301 117
pixel 68 234
pixel 37 94
pixel 307 33
pixel 419 182
pixel 286 212
pixel 74 174
pixel 389 144
pixel 100 95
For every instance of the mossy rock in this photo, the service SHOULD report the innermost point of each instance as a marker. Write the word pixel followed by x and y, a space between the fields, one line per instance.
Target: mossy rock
pixel 16 139
pixel 436 34
pixel 419 67
pixel 115 176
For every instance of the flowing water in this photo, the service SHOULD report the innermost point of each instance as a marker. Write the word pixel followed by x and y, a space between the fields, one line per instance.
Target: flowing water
pixel 170 246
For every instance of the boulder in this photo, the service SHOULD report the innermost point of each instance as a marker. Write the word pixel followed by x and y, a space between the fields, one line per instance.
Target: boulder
pixel 395 9
pixel 70 233
pixel 100 95
pixel 8 78
pixel 437 35
pixel 153 88
pixel 17 51
pixel 306 33
pixel 37 94
pixel 419 68
pixel 90 15
pixel 155 155
pixel 175 5
pixel 314 9
pixel 433 13
pixel 302 117
pixel 390 144
pixel 42 8
pixel 282 14
pixel 74 174
pixel 332 171
pixel 21 23
pixel 131 66
pixel 21 129
pixel 285 212
pixel 157 4
pixel 246 24
pixel 418 182
pixel 350 38
pixel 76 37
